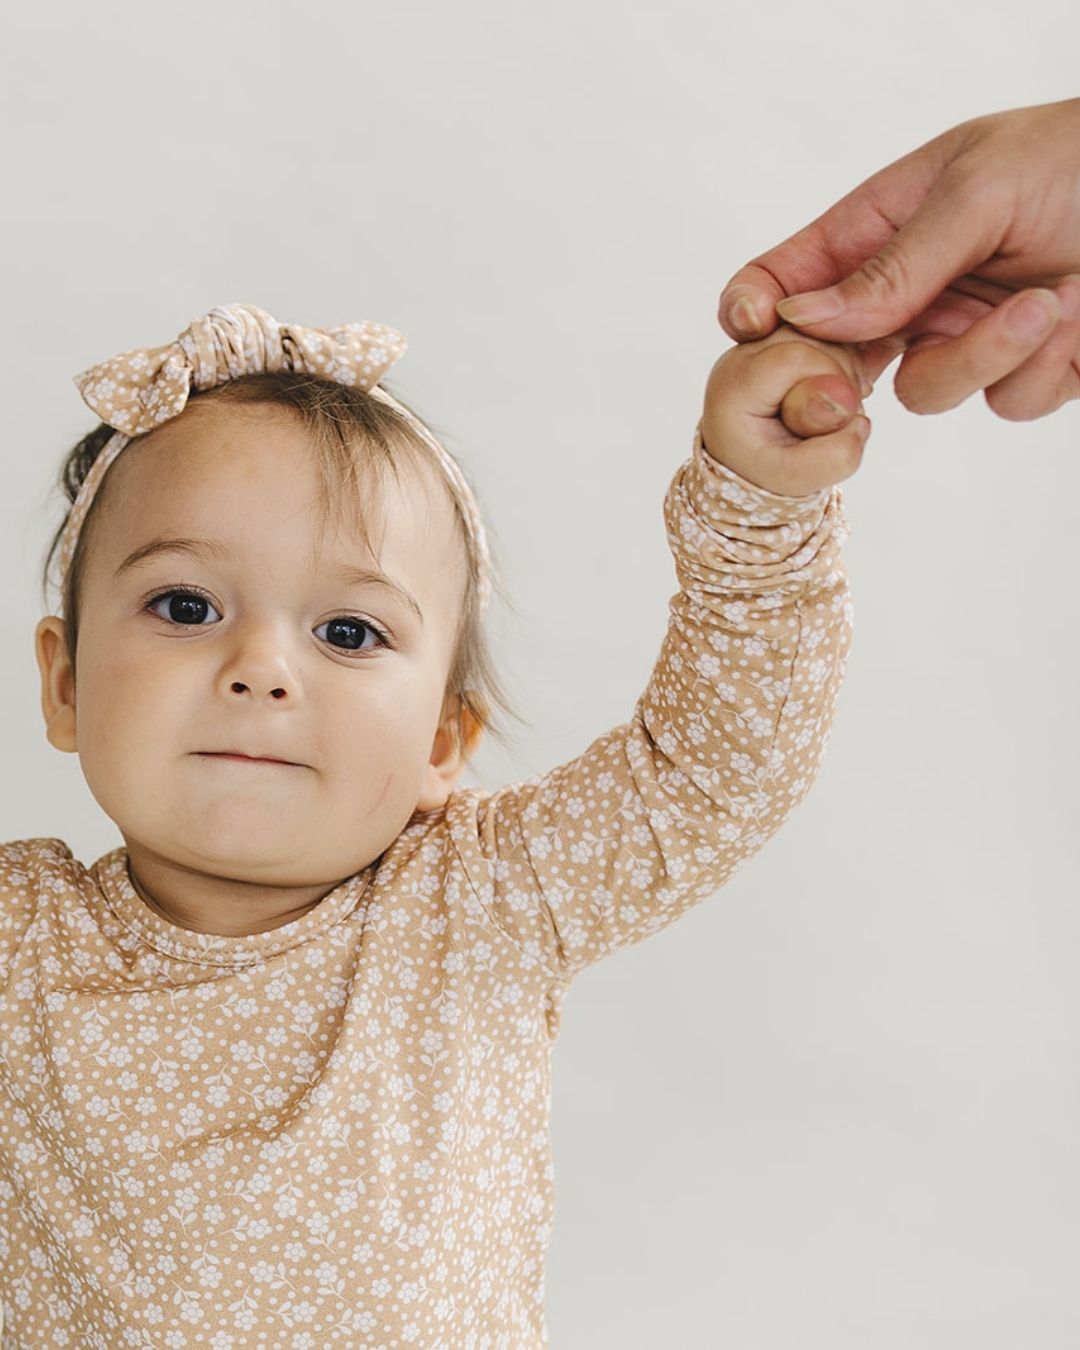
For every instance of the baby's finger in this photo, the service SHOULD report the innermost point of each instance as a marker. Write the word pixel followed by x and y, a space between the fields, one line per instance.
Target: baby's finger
pixel 818 404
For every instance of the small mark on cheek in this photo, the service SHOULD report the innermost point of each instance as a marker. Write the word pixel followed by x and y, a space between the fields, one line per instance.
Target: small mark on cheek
pixel 385 789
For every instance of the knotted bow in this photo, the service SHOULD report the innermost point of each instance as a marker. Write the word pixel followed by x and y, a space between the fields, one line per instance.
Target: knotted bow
pixel 141 388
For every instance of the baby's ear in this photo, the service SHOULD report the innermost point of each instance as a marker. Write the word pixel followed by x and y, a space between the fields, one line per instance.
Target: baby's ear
pixel 57 682
pixel 470 729
pixel 455 742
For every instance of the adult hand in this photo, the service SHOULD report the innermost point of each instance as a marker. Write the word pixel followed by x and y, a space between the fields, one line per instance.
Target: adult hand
pixel 963 255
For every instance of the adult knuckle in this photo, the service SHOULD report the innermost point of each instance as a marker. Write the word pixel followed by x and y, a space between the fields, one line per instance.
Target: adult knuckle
pixel 887 273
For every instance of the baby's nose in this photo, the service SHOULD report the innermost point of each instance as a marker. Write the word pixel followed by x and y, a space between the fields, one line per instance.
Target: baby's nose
pixel 240 688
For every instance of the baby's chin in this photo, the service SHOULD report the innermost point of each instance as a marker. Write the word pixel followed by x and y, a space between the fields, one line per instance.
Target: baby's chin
pixel 246 857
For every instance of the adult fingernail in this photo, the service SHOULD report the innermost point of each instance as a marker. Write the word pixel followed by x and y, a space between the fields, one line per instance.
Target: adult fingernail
pixel 811 306
pixel 741 313
pixel 1033 316
pixel 744 316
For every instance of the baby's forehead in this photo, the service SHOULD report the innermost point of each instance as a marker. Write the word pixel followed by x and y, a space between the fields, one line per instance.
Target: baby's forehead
pixel 219 463
pixel 256 446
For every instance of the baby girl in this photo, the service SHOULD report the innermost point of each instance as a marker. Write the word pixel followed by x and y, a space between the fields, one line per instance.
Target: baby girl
pixel 277 1071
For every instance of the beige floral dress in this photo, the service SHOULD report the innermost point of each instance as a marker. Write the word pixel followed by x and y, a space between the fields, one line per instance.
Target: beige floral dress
pixel 336 1132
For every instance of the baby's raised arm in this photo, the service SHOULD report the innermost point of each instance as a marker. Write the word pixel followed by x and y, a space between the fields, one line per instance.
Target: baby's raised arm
pixel 728 736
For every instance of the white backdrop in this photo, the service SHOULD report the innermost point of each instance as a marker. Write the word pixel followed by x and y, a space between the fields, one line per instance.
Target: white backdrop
pixel 836 1105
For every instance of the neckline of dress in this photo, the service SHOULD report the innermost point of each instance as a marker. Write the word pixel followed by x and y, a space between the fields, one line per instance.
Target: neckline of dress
pixel 185 944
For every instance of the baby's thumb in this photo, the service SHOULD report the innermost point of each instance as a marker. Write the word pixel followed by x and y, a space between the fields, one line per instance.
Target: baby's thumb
pixel 948 235
pixel 819 404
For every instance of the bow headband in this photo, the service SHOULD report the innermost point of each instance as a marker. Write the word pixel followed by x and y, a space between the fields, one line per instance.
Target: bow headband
pixel 141 388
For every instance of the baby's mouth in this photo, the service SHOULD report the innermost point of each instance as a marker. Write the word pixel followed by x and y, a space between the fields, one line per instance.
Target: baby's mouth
pixel 235 755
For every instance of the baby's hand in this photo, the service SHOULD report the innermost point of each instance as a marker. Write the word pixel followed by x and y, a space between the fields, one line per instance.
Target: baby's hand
pixel 765 419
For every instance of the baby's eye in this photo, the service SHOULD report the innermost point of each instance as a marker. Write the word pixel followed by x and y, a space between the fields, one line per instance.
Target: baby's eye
pixel 185 608
pixel 348 629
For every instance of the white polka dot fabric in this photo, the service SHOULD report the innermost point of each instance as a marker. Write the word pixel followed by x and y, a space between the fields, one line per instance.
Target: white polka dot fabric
pixel 336 1133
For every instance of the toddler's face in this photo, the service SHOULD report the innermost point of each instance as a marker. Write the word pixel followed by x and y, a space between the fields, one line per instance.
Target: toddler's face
pixel 272 658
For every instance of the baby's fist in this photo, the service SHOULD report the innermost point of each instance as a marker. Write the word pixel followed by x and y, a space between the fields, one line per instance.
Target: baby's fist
pixel 765 417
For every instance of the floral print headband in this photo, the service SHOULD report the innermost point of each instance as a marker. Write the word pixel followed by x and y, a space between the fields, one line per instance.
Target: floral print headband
pixel 141 388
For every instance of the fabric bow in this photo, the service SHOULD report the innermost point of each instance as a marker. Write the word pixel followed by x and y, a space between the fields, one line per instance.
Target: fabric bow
pixel 145 386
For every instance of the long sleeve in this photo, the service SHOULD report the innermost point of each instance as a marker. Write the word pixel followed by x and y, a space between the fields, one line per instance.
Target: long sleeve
pixel 725 741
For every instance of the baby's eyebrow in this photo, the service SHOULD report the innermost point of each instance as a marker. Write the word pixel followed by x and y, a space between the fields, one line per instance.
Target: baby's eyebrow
pixel 349 573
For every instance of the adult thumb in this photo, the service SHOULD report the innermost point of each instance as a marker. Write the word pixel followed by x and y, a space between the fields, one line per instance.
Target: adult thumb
pixel 950 233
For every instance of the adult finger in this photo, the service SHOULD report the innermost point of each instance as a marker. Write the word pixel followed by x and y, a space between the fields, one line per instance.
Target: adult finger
pixel 819 254
pixel 747 307
pixel 830 248
pixel 1051 375
pixel 960 305
pixel 953 231
pixel 938 373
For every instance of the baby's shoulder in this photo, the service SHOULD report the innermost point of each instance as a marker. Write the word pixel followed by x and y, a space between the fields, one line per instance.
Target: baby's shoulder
pixel 24 862
pixel 29 867
pixel 29 870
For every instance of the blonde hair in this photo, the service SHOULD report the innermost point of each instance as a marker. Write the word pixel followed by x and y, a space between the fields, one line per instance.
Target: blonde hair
pixel 357 439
